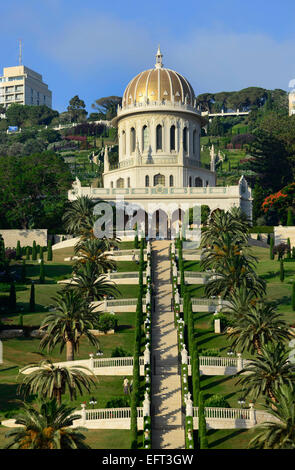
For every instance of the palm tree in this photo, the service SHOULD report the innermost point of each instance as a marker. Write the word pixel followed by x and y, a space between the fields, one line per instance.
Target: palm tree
pixel 46 428
pixel 227 246
pixel 280 433
pixel 91 284
pixel 261 325
pixel 50 381
pixel 78 214
pixel 238 303
pixel 236 272
pixel 94 251
pixel 232 222
pixel 266 374
pixel 73 318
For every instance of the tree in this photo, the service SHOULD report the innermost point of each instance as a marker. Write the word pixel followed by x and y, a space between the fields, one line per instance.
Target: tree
pixel 290 220
pixel 270 161
pixel 257 327
pixel 65 327
pixel 33 190
pixel 77 215
pixel 49 251
pixel 94 251
pixel 282 271
pixel 12 298
pixel 107 106
pixel 34 251
pixel 293 296
pixel 42 272
pixel 266 373
pixel 23 271
pixel 50 381
pixel 32 298
pixel 18 250
pixel 271 248
pixel 48 427
pixel 91 284
pixel 258 198
pixel 280 433
pixel 76 109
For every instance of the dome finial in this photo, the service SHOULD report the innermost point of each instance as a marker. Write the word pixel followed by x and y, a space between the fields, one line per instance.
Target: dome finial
pixel 159 57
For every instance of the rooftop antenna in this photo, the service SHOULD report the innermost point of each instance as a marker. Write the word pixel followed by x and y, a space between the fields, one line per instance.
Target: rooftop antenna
pixel 20 56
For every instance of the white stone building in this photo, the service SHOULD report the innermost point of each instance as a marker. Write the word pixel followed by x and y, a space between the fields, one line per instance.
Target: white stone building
pixel 159 128
pixel 22 85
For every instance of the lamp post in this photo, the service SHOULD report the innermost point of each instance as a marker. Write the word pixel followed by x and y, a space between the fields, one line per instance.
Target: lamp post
pixel 241 401
pixel 92 402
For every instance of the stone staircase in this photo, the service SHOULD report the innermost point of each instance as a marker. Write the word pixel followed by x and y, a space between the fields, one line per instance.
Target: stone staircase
pixel 167 419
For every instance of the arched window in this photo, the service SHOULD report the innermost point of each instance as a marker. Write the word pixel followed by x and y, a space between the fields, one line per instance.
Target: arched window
pixel 132 139
pixel 159 179
pixel 171 181
pixel 147 181
pixel 172 137
pixel 124 142
pixel 198 182
pixel 190 181
pixel 207 183
pixel 159 137
pixel 128 182
pixel 194 142
pixel 145 138
pixel 120 183
pixel 184 133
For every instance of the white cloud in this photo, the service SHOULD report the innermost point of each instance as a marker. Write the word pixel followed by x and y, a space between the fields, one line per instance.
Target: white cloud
pixel 100 45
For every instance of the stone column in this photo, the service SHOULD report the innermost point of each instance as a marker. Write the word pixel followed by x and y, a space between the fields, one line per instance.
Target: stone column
pixel 252 414
pixel 146 405
pixel 239 362
pixel 91 362
pixel 83 413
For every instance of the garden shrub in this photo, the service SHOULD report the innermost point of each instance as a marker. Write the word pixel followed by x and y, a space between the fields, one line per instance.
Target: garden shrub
pixel 216 401
pixel 107 321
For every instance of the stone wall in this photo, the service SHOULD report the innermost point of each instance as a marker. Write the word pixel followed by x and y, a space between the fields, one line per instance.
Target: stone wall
pixel 283 233
pixel 26 237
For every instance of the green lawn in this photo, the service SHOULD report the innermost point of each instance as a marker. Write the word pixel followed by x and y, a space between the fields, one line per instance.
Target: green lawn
pixel 229 438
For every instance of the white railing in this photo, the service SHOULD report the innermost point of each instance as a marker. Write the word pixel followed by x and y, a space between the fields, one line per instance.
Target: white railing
pixel 224 413
pixel 111 413
pixel 115 362
pixel 126 275
pixel 217 361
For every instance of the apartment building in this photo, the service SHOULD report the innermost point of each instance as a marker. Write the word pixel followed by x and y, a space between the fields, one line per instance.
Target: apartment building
pixel 23 86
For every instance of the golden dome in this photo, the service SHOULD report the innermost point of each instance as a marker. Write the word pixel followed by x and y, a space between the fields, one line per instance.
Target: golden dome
pixel 158 84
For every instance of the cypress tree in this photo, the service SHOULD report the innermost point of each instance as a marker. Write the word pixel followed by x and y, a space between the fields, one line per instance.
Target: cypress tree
pixel 23 271
pixel 41 253
pixel 136 244
pixel 196 378
pixel 27 252
pixel 268 238
pixel 49 251
pixel 18 250
pixel 290 221
pixel 282 271
pixel 12 298
pixel 21 320
pixel 293 296
pixel 32 298
pixel 203 441
pixel 2 252
pixel 271 247
pixel 42 273
pixel 289 248
pixel 34 251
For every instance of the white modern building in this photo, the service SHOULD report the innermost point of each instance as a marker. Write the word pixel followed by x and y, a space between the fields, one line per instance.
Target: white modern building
pixel 22 85
pixel 159 128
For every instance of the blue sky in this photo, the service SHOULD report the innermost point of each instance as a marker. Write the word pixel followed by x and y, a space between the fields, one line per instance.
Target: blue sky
pixel 93 48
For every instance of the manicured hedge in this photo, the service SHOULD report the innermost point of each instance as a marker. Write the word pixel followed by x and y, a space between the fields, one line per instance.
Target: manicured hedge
pixel 262 229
